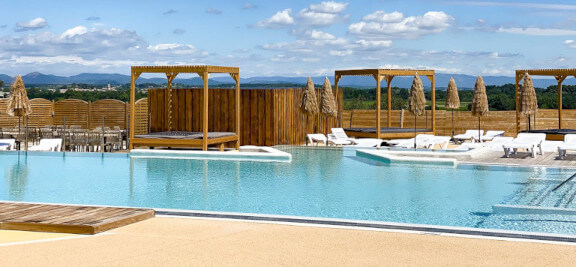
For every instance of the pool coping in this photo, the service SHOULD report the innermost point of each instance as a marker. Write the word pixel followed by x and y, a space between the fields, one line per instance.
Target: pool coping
pixel 347 223
pixel 374 225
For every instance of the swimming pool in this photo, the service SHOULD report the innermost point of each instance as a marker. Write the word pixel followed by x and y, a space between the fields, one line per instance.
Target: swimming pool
pixel 327 183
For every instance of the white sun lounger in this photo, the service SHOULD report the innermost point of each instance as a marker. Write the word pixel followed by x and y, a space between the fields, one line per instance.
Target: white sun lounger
pixel 569 144
pixel 315 139
pixel 48 145
pixel 409 143
pixel 469 135
pixel 528 141
pixel 7 144
pixel 441 141
pixel 334 141
pixel 490 135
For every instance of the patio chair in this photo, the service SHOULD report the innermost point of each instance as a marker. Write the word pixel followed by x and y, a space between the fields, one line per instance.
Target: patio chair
pixel 48 145
pixel 315 139
pixel 490 135
pixel 528 141
pixel 569 144
pixel 469 135
pixel 7 144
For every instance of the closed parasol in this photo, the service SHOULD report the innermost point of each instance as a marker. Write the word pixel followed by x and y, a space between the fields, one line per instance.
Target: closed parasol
pixel 328 103
pixel 480 101
pixel 528 100
pixel 452 99
pixel 416 101
pixel 18 103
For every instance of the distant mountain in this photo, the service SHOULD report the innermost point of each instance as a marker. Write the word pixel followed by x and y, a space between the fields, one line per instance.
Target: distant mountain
pixel 463 81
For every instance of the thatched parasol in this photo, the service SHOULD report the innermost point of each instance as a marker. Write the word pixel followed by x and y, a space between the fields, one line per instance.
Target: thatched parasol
pixel 528 100
pixel 480 101
pixel 18 103
pixel 416 101
pixel 309 101
pixel 452 99
pixel 328 103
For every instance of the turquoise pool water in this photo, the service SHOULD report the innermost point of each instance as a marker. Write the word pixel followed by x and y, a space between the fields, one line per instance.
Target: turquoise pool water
pixel 331 183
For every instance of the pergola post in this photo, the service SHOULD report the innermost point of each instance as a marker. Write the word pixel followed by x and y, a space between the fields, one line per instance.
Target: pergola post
pixel 378 80
pixel 560 79
pixel 170 76
pixel 389 87
pixel 433 96
pixel 134 75
pixel 237 93
pixel 205 111
pixel 516 97
pixel 336 80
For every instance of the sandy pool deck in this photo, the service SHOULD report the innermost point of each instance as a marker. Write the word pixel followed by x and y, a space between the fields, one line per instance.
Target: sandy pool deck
pixel 167 241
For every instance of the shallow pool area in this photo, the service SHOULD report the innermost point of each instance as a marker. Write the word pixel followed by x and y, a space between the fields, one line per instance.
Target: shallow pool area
pixel 327 183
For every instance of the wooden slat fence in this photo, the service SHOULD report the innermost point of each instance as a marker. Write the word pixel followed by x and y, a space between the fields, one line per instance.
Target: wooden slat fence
pixel 113 111
pixel 268 116
pixel 463 120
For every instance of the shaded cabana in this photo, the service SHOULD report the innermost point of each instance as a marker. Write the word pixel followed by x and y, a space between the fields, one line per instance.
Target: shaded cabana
pixel 560 75
pixel 170 138
pixel 387 75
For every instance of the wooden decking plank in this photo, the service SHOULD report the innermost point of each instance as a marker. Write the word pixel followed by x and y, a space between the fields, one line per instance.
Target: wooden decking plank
pixel 67 218
pixel 75 214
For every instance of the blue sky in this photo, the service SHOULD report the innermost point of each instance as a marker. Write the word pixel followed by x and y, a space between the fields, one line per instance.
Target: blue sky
pixel 287 38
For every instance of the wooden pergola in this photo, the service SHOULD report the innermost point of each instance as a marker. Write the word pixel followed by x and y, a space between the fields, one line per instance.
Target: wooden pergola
pixel 559 74
pixel 171 73
pixel 388 75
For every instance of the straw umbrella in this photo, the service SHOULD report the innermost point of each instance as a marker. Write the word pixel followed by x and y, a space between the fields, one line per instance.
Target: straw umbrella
pixel 416 101
pixel 528 100
pixel 328 103
pixel 480 101
pixel 18 103
pixel 452 99
pixel 309 102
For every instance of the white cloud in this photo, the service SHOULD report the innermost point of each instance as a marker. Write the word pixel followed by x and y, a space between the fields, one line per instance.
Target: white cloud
pixel 175 49
pixel 341 53
pixel 279 20
pixel 81 49
pixel 78 30
pixel 379 44
pixel 537 31
pixel 381 24
pixel 329 7
pixel 570 43
pixel 323 14
pixel 35 24
pixel 382 16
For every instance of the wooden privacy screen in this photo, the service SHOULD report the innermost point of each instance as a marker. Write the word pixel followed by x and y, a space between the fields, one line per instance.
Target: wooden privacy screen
pixel 141 113
pixel 77 112
pixel 463 120
pixel 268 116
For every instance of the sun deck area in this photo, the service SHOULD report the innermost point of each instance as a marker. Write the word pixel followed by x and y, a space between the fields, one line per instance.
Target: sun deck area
pixel 67 218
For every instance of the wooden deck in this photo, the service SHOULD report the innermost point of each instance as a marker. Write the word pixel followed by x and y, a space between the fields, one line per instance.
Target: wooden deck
pixel 67 219
pixel 549 159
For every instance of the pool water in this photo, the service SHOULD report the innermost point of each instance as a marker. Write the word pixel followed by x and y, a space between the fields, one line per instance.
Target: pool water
pixel 329 183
